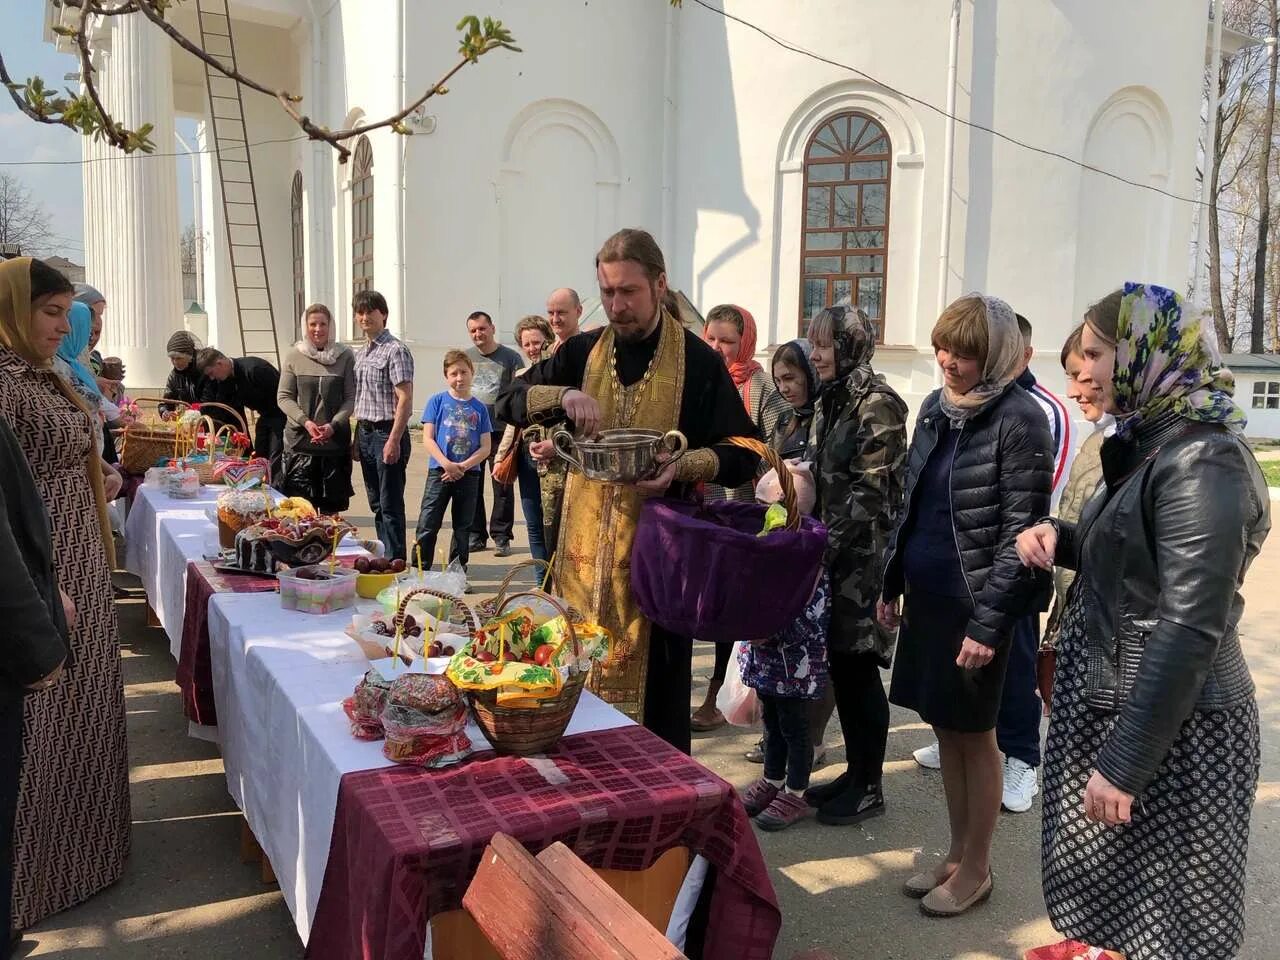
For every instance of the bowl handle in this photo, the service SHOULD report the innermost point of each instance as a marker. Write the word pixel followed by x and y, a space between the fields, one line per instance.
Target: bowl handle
pixel 566 449
pixel 676 445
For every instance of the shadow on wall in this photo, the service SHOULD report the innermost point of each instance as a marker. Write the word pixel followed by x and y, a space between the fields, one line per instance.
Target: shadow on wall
pixel 982 98
pixel 723 190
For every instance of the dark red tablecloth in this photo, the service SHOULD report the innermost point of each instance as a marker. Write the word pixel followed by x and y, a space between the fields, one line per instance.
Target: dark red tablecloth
pixel 406 843
pixel 195 670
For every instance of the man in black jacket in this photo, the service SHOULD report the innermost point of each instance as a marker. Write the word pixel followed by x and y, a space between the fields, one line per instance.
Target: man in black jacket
pixel 250 382
pixel 34 624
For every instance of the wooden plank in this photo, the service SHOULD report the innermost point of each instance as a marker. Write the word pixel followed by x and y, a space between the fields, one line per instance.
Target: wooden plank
pixel 250 852
pixel 527 914
pixel 607 905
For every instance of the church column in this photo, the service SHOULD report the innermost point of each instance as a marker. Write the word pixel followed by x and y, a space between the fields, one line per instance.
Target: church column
pixel 131 204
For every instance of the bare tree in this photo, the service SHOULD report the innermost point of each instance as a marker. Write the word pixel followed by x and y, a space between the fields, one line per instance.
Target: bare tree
pixel 1257 316
pixel 86 113
pixel 190 252
pixel 23 219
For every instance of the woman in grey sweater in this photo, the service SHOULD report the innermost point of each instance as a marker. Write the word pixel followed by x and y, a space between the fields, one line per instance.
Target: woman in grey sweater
pixel 317 395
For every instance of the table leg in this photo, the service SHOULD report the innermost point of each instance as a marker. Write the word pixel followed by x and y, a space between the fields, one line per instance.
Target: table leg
pixel 251 852
pixel 152 619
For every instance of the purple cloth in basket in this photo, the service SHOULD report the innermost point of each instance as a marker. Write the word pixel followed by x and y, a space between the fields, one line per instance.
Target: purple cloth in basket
pixel 700 570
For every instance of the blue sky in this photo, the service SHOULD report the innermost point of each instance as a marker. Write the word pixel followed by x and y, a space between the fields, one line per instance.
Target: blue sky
pixel 46 159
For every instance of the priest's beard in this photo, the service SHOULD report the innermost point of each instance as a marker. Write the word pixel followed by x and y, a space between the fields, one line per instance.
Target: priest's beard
pixel 634 325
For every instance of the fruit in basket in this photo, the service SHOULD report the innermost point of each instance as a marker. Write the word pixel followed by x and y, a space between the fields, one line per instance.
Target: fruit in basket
pixel 542 656
pixel 484 656
pixel 362 564
pixel 409 622
pixel 447 650
pixel 397 565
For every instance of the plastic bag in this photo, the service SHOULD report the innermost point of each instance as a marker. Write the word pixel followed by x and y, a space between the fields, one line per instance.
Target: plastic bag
pixel 452 581
pixel 738 702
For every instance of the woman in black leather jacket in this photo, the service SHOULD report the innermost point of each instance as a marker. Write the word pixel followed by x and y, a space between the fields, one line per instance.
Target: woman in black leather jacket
pixel 1152 755
pixel 979 470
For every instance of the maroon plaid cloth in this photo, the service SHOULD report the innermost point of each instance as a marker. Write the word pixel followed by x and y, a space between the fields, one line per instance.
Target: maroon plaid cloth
pixel 406 843
pixel 195 670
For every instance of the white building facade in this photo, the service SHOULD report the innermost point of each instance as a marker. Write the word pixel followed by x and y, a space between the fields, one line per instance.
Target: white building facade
pixel 772 179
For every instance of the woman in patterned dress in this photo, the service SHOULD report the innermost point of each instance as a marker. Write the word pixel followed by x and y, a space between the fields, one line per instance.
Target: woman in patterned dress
pixel 1152 755
pixel 72 833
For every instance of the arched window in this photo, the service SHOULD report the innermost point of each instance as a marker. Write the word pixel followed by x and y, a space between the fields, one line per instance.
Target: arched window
pixel 846 217
pixel 299 258
pixel 362 217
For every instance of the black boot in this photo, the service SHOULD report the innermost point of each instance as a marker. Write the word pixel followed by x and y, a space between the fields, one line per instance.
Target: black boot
pixel 817 796
pixel 853 805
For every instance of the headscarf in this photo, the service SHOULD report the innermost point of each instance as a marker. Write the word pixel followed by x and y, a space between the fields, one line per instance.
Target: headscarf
pixel 853 334
pixel 1167 362
pixel 799 354
pixel 1005 348
pixel 88 295
pixel 744 365
pixel 73 344
pixel 333 349
pixel 15 333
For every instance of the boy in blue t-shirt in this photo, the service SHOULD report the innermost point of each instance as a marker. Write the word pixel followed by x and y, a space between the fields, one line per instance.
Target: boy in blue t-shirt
pixel 456 432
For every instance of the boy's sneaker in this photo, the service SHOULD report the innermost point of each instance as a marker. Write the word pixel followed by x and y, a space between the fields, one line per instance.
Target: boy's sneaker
pixel 1020 785
pixel 929 757
pixel 787 808
pixel 758 796
pixel 502 548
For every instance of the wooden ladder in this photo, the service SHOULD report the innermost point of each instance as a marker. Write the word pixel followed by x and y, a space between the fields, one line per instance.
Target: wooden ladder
pixel 258 335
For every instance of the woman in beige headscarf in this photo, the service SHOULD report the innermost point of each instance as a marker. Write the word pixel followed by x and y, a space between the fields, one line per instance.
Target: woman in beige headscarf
pixel 72 832
pixel 979 469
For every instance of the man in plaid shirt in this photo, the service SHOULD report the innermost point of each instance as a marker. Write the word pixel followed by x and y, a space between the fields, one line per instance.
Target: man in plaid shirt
pixel 384 398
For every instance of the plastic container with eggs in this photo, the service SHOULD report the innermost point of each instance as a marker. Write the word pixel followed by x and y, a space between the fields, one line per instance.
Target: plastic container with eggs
pixel 318 588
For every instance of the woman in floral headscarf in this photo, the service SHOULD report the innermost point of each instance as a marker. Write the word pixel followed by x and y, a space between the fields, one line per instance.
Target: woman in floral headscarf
pixel 1152 756
pixel 980 469
pixel 731 332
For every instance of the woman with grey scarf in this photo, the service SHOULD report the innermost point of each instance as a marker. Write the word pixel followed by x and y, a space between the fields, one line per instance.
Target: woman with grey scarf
pixel 980 469
pixel 317 395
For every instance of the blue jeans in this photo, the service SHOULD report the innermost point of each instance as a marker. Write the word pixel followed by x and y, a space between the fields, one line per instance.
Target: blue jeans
pixel 435 499
pixel 1018 723
pixel 531 503
pixel 384 485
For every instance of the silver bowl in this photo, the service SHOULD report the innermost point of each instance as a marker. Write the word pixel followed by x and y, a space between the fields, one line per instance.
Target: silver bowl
pixel 620 456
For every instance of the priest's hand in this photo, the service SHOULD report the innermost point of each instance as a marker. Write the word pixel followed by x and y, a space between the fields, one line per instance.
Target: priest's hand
pixel 544 451
pixel 583 411
pixel 659 484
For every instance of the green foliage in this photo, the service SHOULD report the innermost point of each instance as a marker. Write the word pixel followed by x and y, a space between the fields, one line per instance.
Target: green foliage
pixel 80 113
pixel 481 36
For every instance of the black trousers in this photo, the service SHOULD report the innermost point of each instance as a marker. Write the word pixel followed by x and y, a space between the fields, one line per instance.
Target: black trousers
pixel 10 769
pixel 864 713
pixel 268 441
pixel 788 751
pixel 503 524
pixel 669 687
pixel 1018 723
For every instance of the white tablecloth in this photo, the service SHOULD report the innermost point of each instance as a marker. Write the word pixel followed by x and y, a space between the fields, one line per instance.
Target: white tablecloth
pixel 161 535
pixel 279 678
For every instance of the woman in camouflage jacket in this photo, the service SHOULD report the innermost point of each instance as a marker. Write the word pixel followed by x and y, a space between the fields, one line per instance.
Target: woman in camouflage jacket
pixel 858 441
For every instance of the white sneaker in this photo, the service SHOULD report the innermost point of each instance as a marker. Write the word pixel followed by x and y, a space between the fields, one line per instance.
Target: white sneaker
pixel 1020 785
pixel 928 757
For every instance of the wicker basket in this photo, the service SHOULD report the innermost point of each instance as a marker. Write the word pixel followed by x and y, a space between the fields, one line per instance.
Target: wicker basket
pixel 204 468
pixel 488 609
pixel 144 443
pixel 524 731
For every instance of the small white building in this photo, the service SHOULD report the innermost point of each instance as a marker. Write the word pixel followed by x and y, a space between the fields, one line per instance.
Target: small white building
pixel 772 179
pixel 1258 392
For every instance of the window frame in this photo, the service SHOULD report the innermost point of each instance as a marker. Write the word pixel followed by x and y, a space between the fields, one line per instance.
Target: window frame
pixel 362 213
pixel 834 149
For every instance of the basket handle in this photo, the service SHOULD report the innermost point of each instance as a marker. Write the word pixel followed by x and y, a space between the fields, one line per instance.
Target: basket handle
pixel 244 427
pixel 560 608
pixel 542 565
pixel 770 456
pixel 180 404
pixel 457 602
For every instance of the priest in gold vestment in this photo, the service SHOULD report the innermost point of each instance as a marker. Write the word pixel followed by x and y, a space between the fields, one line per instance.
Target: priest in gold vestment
pixel 642 370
